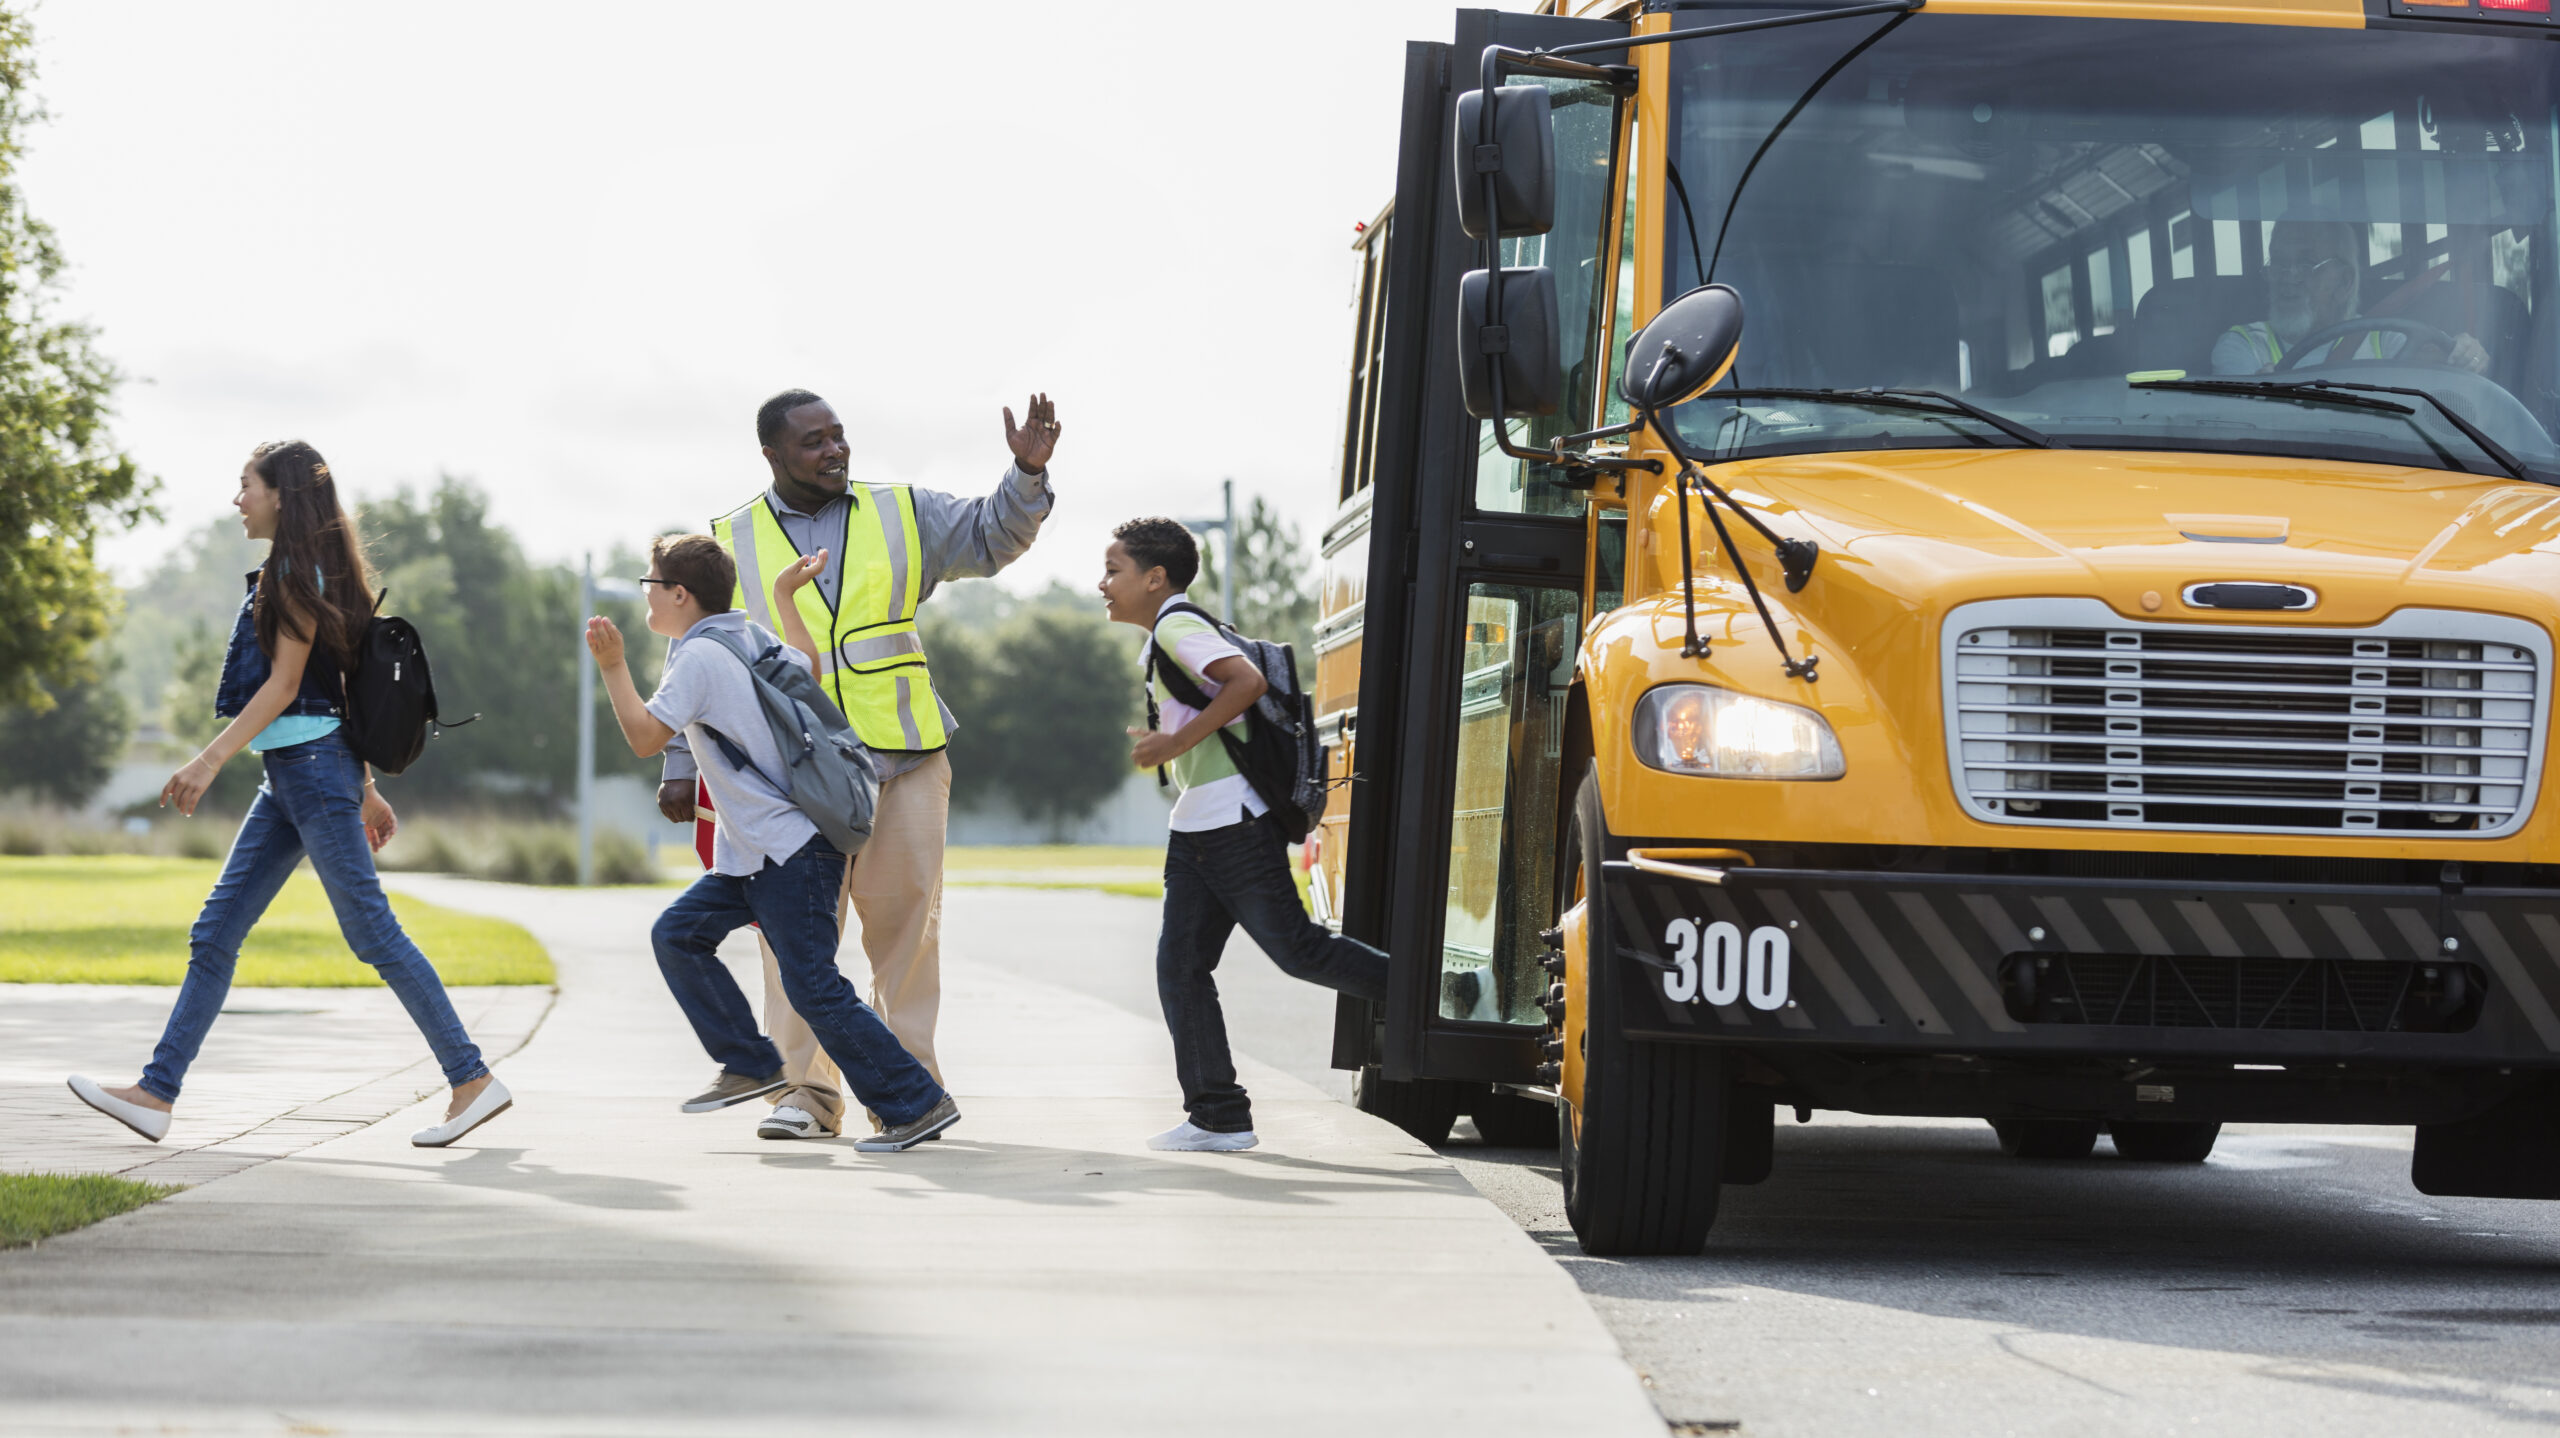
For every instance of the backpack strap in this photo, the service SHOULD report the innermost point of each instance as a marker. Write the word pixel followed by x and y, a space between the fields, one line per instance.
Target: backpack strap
pixel 736 756
pixel 1180 686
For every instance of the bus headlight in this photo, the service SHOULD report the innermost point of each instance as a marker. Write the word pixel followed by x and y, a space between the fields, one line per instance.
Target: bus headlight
pixel 1693 729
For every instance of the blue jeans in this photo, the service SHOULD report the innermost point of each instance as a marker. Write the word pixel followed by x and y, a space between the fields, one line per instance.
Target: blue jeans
pixel 1214 880
pixel 312 803
pixel 795 903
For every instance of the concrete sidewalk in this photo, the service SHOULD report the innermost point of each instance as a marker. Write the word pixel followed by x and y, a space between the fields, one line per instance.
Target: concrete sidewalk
pixel 595 1262
pixel 282 1070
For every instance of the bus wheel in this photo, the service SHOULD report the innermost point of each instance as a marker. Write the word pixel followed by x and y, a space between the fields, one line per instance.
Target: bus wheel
pixel 1424 1108
pixel 2046 1137
pixel 2165 1142
pixel 1641 1152
pixel 1509 1120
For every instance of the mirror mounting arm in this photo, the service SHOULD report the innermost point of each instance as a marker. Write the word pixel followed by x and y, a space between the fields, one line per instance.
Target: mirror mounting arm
pixel 1795 556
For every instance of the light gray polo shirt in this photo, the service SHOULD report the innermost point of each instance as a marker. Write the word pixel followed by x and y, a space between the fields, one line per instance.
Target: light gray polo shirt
pixel 961 539
pixel 706 687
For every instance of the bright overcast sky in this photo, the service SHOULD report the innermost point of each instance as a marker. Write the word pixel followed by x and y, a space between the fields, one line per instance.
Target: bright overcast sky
pixel 564 250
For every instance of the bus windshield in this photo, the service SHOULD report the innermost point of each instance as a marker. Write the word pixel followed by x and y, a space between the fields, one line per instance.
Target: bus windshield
pixel 2053 217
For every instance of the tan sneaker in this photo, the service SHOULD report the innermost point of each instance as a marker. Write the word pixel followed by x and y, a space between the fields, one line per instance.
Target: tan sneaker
pixel 731 1088
pixel 901 1137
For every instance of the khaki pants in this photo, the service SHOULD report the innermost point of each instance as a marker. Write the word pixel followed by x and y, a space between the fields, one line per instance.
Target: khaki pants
pixel 894 886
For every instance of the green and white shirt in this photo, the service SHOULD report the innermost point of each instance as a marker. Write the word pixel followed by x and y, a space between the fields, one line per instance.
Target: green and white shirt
pixel 1213 795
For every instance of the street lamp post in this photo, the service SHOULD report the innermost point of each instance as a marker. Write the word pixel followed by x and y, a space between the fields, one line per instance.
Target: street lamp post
pixel 590 589
pixel 1225 528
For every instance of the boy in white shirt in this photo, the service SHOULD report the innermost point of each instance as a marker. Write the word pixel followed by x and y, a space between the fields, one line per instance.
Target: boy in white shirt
pixel 769 865
pixel 1225 862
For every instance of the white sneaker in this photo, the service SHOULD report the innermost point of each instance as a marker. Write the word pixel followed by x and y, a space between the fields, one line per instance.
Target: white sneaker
pixel 151 1123
pixel 1189 1137
pixel 792 1121
pixel 493 1101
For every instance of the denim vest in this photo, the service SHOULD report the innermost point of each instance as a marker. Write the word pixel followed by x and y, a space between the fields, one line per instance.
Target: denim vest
pixel 245 668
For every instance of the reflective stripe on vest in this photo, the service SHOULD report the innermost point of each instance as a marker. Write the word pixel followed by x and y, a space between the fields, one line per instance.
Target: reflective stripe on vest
pixel 2261 338
pixel 873 664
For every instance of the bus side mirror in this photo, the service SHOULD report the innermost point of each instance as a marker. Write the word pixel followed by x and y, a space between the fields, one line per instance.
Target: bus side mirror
pixel 1684 351
pixel 1524 338
pixel 1521 157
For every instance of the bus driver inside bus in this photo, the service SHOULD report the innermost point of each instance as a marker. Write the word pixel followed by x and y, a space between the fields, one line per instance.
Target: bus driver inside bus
pixel 2315 271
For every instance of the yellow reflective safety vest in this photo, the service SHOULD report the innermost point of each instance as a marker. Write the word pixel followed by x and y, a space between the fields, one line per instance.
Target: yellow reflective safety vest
pixel 873 664
pixel 2260 336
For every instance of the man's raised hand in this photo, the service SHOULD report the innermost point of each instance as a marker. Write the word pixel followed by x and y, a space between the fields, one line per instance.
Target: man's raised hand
pixel 1037 437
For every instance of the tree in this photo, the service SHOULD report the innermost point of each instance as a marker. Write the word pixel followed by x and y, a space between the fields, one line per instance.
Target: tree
pixel 61 478
pixel 1274 596
pixel 503 635
pixel 67 750
pixel 1045 690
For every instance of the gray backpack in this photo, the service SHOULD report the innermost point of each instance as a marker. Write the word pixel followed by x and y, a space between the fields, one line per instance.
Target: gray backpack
pixel 826 771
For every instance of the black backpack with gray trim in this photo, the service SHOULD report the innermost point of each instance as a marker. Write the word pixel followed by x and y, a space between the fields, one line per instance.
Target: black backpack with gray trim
pixel 1279 755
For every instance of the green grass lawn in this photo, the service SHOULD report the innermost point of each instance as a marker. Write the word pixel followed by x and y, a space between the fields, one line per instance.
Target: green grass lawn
pixel 40 1205
pixel 123 920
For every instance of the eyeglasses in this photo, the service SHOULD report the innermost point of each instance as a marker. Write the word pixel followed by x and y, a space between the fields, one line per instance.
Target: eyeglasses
pixel 670 583
pixel 2302 267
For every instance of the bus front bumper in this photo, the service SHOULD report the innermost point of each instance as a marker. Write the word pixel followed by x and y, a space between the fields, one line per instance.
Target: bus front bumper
pixel 1990 967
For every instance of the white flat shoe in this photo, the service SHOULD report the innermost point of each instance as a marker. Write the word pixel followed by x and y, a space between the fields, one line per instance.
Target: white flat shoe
pixel 151 1123
pixel 493 1101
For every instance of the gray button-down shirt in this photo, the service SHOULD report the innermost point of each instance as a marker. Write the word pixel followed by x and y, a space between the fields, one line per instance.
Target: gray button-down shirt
pixel 962 539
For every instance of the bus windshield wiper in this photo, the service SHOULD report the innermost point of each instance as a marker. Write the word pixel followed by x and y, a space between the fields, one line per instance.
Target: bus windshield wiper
pixel 2348 395
pixel 1926 401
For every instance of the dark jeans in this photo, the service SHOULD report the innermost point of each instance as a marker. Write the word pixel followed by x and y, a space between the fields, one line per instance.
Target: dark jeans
pixel 795 903
pixel 1213 881
pixel 312 803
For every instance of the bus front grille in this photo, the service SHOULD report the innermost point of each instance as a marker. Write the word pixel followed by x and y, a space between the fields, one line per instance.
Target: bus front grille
pixel 2061 712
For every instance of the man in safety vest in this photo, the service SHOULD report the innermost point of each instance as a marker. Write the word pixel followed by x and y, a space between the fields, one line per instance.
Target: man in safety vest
pixel 2315 276
pixel 887 547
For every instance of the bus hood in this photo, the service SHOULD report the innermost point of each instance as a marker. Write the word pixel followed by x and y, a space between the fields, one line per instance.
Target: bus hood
pixel 1911 533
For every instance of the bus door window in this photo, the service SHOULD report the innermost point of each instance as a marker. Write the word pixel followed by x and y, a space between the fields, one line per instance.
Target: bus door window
pixel 1515 664
pixel 1586 127
pixel 1608 562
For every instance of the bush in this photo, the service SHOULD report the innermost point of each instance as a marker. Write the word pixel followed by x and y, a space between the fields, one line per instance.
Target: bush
pixel 546 855
pixel 620 859
pixel 22 839
pixel 203 841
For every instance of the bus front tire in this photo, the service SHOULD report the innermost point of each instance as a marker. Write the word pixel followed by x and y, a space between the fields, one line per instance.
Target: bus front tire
pixel 1641 1153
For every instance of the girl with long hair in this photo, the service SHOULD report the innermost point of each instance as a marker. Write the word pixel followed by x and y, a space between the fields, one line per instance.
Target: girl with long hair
pixel 284 690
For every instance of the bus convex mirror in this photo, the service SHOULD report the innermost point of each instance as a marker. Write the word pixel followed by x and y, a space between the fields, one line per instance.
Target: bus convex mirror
pixel 1687 348
pixel 1523 338
pixel 1521 158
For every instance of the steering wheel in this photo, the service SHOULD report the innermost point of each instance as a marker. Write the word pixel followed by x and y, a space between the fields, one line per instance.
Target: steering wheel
pixel 2420 336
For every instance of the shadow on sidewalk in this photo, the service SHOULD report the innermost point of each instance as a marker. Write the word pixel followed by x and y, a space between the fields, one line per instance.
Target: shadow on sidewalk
pixel 504 1169
pixel 1067 1177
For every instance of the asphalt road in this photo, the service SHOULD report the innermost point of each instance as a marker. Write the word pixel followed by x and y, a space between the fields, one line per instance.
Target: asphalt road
pixel 1903 1277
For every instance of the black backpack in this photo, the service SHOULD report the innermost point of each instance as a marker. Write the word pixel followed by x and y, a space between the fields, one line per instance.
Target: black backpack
pixel 391 694
pixel 1279 755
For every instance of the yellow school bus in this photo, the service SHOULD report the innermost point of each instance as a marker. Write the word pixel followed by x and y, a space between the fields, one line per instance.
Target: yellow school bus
pixel 1987 558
